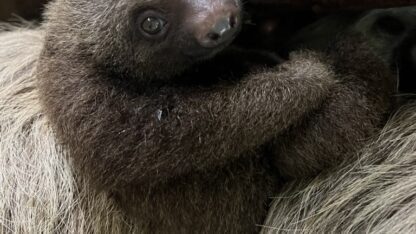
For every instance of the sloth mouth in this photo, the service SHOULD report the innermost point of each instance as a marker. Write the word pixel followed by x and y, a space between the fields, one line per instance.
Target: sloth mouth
pixel 202 53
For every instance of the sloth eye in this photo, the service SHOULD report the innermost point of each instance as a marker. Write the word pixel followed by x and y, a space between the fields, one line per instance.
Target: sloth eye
pixel 153 25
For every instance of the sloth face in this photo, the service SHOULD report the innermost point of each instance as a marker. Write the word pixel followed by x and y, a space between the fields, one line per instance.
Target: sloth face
pixel 153 39
pixel 194 29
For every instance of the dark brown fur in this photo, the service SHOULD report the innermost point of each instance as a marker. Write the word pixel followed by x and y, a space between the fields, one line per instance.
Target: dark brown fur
pixel 356 110
pixel 177 158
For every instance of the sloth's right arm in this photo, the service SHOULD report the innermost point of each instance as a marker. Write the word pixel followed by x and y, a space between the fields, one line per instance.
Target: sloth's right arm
pixel 121 138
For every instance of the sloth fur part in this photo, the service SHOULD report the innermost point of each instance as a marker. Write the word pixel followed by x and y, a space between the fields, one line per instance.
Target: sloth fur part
pixel 375 194
pixel 390 33
pixel 384 29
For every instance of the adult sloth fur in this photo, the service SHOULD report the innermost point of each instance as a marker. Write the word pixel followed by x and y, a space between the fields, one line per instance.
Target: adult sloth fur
pixel 375 194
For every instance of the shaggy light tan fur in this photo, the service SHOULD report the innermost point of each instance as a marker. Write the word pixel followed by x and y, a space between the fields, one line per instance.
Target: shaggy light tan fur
pixel 376 194
pixel 38 192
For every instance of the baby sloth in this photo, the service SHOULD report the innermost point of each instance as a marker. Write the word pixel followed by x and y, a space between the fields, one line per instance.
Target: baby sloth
pixel 178 156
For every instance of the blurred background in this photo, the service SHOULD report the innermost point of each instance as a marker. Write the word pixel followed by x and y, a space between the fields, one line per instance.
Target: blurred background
pixel 28 9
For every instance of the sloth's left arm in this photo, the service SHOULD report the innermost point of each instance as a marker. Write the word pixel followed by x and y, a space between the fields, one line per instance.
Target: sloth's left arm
pixel 355 111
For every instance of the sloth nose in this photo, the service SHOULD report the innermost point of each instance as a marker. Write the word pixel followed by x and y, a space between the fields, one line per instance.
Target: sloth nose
pixel 219 24
pixel 222 31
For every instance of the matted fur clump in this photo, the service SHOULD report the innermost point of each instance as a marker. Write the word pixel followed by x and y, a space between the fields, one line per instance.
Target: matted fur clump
pixel 375 194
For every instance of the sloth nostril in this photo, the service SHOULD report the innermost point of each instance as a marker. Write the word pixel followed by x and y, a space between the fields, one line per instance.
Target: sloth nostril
pixel 233 21
pixel 221 31
pixel 213 36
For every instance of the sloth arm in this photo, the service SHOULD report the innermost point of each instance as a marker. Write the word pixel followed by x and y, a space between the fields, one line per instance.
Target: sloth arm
pixel 356 109
pixel 118 137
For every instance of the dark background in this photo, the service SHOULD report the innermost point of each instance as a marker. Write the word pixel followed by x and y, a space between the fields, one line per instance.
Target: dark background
pixel 31 9
pixel 28 9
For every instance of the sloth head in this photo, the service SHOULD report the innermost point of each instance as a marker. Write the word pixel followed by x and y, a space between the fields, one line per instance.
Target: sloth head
pixel 142 38
pixel 392 34
pixel 385 29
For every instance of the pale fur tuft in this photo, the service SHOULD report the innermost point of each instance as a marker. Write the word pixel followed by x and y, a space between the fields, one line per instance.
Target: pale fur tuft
pixel 376 194
pixel 17 23
pixel 39 193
